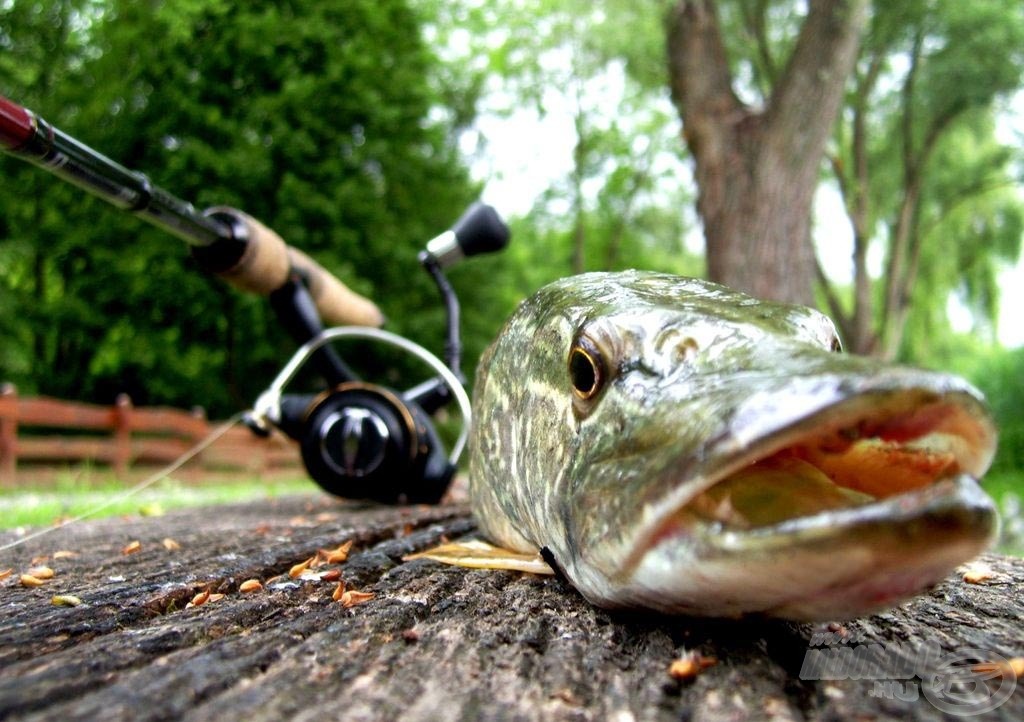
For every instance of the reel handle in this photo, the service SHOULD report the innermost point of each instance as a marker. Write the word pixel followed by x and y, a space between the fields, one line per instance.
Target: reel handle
pixel 267 263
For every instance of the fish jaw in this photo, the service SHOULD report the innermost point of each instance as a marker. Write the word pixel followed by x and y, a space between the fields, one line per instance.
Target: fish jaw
pixel 915 517
pixel 830 566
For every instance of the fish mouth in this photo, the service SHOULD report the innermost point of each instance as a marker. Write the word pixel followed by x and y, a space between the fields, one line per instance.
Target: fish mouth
pixel 858 505
pixel 860 452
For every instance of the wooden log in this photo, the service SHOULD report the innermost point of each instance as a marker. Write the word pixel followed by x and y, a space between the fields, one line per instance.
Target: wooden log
pixel 434 642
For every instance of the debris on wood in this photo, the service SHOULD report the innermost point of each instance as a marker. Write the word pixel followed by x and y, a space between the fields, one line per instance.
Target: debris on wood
pixel 199 599
pixel 339 554
pixel 976 573
pixel 170 545
pixel 352 598
pixel 1012 668
pixel 338 591
pixel 297 570
pixel 132 547
pixel 4 573
pixel 250 585
pixel 64 554
pixel 65 600
pixel 690 665
pixel 41 572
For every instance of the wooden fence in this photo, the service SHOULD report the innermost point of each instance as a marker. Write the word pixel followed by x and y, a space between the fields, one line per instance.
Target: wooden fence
pixel 124 436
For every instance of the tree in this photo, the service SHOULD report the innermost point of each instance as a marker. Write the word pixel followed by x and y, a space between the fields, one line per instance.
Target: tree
pixel 318 119
pixel 757 169
pixel 919 167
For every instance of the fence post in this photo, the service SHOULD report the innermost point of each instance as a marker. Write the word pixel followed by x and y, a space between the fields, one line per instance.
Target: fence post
pixel 8 434
pixel 122 435
pixel 198 412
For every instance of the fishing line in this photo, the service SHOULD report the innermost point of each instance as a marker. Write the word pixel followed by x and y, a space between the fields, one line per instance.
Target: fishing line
pixel 147 482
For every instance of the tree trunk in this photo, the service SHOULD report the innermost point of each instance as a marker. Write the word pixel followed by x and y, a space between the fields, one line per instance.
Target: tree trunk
pixel 757 171
pixel 434 642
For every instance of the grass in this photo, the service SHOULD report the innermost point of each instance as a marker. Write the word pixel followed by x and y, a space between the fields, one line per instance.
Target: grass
pixel 73 495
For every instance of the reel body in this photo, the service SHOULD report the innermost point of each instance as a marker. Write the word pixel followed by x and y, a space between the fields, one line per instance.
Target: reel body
pixel 359 439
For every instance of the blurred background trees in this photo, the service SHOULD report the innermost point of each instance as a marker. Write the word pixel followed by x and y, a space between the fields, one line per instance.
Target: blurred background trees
pixel 360 131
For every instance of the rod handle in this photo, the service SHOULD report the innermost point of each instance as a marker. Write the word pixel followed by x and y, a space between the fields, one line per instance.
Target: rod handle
pixel 268 263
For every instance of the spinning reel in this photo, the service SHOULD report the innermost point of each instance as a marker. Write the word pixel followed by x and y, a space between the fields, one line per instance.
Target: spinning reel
pixel 360 439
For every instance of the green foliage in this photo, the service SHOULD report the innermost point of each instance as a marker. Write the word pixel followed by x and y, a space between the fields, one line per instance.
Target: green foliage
pixel 998 373
pixel 317 119
pixel 936 174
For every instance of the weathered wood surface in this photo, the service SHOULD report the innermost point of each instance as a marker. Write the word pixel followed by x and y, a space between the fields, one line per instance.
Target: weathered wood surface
pixel 434 643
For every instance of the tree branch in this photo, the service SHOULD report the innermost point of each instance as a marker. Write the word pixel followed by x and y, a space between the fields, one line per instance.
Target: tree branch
pixel 754 20
pixel 835 306
pixel 699 74
pixel 814 78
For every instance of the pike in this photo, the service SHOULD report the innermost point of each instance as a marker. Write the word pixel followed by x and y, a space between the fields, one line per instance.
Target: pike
pixel 670 444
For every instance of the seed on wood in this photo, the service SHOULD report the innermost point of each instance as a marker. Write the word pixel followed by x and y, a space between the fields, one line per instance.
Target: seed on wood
pixel 202 598
pixel 64 554
pixel 339 592
pixel 250 585
pixel 27 580
pixel 411 635
pixel 4 573
pixel 977 574
pixel 132 547
pixel 41 559
pixel 65 600
pixel 690 665
pixel 331 575
pixel 41 572
pixel 297 570
pixel 214 598
pixel 340 553
pixel 170 545
pixel 1014 667
pixel 352 598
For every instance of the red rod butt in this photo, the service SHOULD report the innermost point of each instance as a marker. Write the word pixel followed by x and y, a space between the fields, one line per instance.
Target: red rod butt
pixel 16 125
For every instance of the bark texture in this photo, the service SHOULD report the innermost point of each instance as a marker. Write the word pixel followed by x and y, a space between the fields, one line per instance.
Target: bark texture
pixel 434 642
pixel 757 169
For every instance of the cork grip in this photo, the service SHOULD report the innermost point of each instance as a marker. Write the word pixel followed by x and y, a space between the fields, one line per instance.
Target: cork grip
pixel 268 263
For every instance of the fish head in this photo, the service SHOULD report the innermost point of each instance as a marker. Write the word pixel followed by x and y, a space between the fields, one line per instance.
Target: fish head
pixel 684 447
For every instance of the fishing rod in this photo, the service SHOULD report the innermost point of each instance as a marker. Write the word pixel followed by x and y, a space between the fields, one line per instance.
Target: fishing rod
pixel 223 240
pixel 358 439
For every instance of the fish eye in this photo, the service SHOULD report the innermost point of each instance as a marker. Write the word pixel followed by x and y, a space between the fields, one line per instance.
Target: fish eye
pixel 586 369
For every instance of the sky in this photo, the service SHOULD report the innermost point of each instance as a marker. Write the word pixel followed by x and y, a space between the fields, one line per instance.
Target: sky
pixel 519 155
